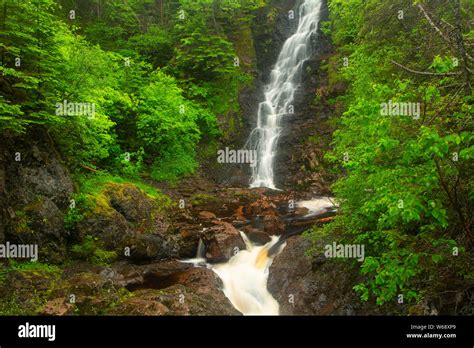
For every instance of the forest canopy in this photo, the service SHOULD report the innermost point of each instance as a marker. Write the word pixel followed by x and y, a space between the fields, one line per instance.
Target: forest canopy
pixel 153 71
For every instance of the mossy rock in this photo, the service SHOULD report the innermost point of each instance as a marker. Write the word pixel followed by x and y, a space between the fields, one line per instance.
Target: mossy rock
pixel 40 223
pixel 25 291
pixel 202 198
pixel 124 218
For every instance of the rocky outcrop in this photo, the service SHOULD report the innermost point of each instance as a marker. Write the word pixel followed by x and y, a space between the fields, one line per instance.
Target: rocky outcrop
pixel 258 47
pixel 313 286
pixel 35 189
pixel 126 220
pixel 306 134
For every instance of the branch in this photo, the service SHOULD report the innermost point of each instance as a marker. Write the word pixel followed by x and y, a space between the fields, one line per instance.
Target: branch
pixel 453 201
pixel 424 72
pixel 438 30
pixel 428 18
pixel 88 168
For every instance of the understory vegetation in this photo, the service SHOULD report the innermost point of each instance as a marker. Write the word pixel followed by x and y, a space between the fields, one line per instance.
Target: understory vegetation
pixel 138 93
pixel 154 77
pixel 406 191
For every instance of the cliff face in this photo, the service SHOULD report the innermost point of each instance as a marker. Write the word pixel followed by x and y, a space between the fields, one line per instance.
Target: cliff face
pixel 35 192
pixel 257 44
pixel 306 134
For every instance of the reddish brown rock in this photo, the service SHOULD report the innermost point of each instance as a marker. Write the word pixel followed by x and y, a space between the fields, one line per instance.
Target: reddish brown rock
pixel 58 306
pixel 207 215
pixel 222 239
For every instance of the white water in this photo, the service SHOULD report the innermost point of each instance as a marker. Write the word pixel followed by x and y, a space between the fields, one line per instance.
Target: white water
pixel 318 206
pixel 279 93
pixel 244 277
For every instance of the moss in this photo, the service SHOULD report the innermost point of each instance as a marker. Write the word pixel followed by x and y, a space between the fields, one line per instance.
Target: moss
pixel 244 47
pixel 122 295
pixel 202 198
pixel 27 286
pixel 101 205
pixel 91 250
pixel 21 223
pixel 94 185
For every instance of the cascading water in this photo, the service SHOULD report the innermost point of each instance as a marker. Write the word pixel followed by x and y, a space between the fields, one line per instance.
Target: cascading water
pixel 284 80
pixel 245 275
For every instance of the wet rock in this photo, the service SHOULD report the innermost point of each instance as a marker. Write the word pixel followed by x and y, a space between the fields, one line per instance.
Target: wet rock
pixel 149 247
pixel 202 294
pixel 263 206
pixel 306 288
pixel 175 300
pixel 257 236
pixel 155 275
pixel 172 289
pixel 93 293
pixel 273 225
pixel 143 302
pixel 222 239
pixel 187 240
pixel 301 211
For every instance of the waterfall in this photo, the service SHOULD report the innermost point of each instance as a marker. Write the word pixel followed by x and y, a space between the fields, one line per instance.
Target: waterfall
pixel 244 276
pixel 279 92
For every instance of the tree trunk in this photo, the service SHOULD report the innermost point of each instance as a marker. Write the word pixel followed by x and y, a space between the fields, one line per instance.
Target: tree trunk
pixel 461 48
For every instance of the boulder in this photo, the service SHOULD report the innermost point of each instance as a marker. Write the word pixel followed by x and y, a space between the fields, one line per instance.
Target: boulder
pixel 222 239
pixel 35 189
pixel 125 217
pixel 314 286
pixel 171 288
pixel 40 223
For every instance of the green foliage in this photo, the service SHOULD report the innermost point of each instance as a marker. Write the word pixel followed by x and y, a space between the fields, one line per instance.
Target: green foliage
pixel 29 56
pixel 406 178
pixel 33 266
pixel 203 51
pixel 155 45
pixel 93 185
pixel 169 127
pixel 176 162
pixel 130 164
pixel 76 213
pixel 91 251
pixel 107 69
